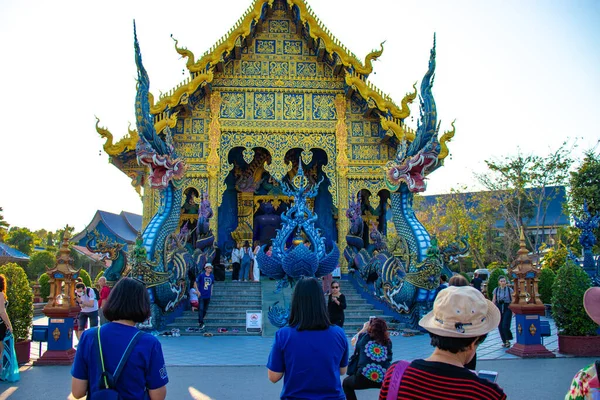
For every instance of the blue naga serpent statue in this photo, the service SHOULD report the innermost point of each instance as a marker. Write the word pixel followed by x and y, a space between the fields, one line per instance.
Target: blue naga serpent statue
pixel 406 277
pixel 165 271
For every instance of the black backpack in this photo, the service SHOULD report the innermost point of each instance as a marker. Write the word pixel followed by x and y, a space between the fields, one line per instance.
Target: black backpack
pixel 95 292
pixel 108 381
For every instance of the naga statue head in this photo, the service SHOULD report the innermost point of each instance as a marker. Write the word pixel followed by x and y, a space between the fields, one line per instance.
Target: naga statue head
pixel 151 150
pixel 377 238
pixel 415 160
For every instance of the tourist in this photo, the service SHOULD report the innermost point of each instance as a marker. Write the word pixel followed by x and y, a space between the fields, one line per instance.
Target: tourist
pixel 5 325
pixel 204 286
pixel 143 374
pixel 477 281
pixel 236 257
pixel 502 299
pixel 193 294
pixel 86 299
pixel 246 258
pixel 586 385
pixel 327 280
pixel 443 282
pixel 460 320
pixel 104 292
pixel 336 305
pixel 255 276
pixel 310 353
pixel 459 280
pixel 269 250
pixel 372 357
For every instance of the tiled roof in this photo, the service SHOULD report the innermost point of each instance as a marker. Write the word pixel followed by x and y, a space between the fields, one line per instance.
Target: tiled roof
pixel 124 226
pixel 9 252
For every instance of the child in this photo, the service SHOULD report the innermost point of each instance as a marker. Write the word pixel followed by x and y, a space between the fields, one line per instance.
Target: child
pixel 194 299
pixel 204 284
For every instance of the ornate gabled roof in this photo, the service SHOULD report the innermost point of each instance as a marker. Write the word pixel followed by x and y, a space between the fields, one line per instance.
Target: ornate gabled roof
pixel 201 71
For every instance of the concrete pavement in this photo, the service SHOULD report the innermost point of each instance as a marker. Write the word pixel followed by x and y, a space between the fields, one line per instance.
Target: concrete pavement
pixel 521 379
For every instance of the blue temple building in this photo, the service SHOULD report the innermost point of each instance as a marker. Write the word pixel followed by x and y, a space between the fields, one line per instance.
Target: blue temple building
pixel 120 228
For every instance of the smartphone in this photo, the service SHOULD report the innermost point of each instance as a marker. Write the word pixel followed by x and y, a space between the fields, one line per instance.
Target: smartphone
pixel 491 376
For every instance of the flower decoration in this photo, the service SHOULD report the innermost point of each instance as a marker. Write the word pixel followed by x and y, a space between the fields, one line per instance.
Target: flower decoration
pixel 375 351
pixel 374 372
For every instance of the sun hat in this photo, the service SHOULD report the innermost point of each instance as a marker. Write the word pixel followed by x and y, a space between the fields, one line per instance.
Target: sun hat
pixel 207 265
pixel 591 303
pixel 461 312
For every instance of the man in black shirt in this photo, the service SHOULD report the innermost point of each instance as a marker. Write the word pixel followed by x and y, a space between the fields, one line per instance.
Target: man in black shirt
pixel 476 282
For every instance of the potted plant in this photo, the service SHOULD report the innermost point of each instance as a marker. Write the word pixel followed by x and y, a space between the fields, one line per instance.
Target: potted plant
pixel 20 308
pixel 576 331
pixel 545 289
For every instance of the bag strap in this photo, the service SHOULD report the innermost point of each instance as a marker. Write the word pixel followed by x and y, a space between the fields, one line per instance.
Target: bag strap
pixel 396 379
pixel 108 380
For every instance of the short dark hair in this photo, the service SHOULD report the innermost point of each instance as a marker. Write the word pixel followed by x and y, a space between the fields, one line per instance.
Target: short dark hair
pixel 452 344
pixel 128 300
pixel 80 286
pixel 458 280
pixel 333 282
pixel 308 311
pixel 443 277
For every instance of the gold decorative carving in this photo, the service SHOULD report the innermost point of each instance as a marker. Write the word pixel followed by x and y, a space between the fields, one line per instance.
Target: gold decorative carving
pixel 532 330
pixel 127 143
pixel 446 137
pixel 278 145
pixel 214 137
pixel 56 334
pixel 383 102
pixel 174 96
pixel 396 127
pixel 170 121
pixel 519 329
pixel 248 155
pixel 245 228
pixel 306 156
pixel 341 135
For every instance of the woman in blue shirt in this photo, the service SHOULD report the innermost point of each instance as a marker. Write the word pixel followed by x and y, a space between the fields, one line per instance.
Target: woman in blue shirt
pixel 144 375
pixel 310 354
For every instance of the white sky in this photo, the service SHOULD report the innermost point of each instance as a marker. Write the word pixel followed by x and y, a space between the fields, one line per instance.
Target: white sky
pixel 512 73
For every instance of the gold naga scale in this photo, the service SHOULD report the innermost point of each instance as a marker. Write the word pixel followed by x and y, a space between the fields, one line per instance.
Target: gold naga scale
pixel 278 81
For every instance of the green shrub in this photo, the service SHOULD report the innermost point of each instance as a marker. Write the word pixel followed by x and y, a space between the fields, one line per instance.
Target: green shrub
pixel 44 283
pixel 87 280
pixel 39 262
pixel 495 265
pixel 545 285
pixel 492 282
pixel 568 289
pixel 20 298
pixel 100 274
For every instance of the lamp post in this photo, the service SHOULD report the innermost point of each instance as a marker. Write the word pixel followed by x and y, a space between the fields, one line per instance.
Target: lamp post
pixel 527 306
pixel 61 309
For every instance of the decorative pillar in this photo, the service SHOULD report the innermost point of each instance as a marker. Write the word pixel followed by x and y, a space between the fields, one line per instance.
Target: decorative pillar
pixel 245 228
pixel 213 160
pixel 341 144
pixel 527 306
pixel 61 309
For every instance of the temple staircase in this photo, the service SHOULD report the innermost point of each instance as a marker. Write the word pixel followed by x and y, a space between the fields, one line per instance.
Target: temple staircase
pixel 227 309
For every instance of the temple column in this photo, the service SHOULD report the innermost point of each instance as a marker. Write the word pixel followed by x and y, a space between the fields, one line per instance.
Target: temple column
pixel 341 144
pixel 213 161
pixel 245 228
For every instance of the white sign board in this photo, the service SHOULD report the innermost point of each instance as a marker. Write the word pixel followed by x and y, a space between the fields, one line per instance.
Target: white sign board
pixel 253 321
pixel 337 273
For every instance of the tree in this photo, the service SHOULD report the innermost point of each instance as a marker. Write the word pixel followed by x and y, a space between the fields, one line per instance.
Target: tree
pixel 20 296
pixel 21 238
pixel 85 277
pixel 38 263
pixel 525 186
pixel 585 187
pixel 50 240
pixel 555 257
pixel 100 274
pixel 3 226
pixel 44 282
pixel 545 285
pixel 41 235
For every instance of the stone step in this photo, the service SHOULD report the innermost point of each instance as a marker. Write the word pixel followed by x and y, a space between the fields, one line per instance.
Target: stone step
pixel 255 304
pixel 241 296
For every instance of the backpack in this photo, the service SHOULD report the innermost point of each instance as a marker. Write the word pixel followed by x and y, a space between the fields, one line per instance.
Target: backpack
pixel 108 381
pixel 246 259
pixel 95 292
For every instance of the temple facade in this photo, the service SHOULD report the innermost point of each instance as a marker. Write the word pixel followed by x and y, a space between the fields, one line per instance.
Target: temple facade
pixel 277 90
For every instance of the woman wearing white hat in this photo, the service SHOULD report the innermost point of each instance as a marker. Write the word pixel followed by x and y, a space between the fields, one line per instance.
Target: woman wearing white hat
pixel 460 320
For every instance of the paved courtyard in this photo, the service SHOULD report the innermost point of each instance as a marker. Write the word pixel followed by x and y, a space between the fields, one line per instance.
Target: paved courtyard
pixel 233 368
